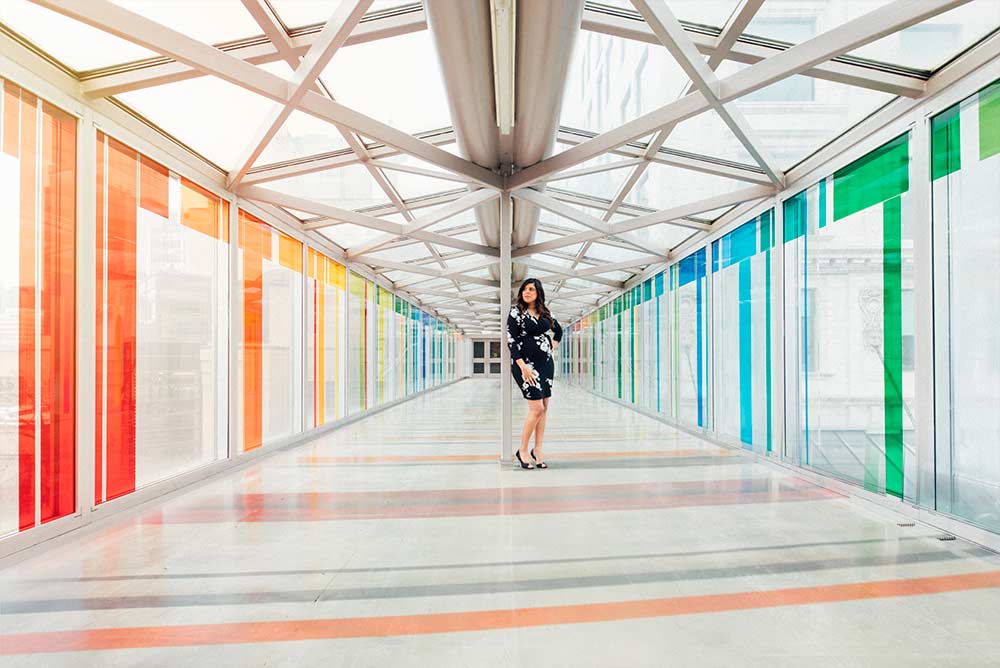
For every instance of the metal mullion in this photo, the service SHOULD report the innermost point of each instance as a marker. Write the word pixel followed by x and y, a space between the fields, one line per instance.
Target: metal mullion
pixel 778 336
pixel 86 306
pixel 923 310
pixel 305 340
pixel 235 333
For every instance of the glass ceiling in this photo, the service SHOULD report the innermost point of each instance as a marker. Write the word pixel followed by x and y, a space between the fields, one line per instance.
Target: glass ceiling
pixel 302 135
pixel 410 186
pixel 611 80
pixel 74 44
pixel 927 45
pixel 221 129
pixel 350 187
pixel 792 118
pixel 932 43
pixel 396 80
pixel 298 13
pixel 663 187
pixel 706 12
pixel 600 184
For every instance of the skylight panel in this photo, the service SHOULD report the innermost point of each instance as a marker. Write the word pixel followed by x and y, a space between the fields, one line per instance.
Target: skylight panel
pixel 396 80
pixel 76 45
pixel 350 187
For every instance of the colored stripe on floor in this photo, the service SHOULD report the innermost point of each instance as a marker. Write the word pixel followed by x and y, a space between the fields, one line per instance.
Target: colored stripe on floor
pixel 484 620
pixel 328 506
pixel 378 459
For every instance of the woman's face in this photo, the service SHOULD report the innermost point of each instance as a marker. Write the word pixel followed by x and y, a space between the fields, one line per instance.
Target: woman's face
pixel 529 294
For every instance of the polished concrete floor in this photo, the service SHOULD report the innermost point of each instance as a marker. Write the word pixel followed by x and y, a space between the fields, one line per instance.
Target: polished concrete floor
pixel 399 541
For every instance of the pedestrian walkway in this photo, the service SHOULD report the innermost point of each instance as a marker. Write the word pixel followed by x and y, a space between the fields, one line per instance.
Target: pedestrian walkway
pixel 399 541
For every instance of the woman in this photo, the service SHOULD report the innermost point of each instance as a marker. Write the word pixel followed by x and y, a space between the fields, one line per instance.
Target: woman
pixel 531 351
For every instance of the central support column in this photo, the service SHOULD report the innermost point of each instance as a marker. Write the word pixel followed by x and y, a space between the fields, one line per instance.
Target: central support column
pixel 506 227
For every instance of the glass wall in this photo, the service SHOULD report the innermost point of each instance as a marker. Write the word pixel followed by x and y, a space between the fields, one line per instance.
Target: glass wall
pixel 965 172
pixel 37 311
pixel 325 325
pixel 161 319
pixel 357 368
pixel 689 367
pixel 849 323
pixel 741 326
pixel 849 339
pixel 161 323
pixel 271 346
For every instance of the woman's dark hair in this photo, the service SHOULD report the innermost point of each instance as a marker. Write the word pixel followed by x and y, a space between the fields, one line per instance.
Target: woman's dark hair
pixel 543 310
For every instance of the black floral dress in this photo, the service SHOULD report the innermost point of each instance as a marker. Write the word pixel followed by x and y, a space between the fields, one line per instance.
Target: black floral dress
pixel 527 339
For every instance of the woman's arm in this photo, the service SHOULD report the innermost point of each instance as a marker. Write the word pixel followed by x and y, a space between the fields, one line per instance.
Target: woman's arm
pixel 514 335
pixel 557 330
pixel 514 344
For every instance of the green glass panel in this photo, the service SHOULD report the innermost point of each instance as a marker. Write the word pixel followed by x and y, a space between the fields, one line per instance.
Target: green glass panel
pixel 893 345
pixel 874 178
pixel 822 203
pixel 766 233
pixel 795 211
pixel 946 147
pixel 989 121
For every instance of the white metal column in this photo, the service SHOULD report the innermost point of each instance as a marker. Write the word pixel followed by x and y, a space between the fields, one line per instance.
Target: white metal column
pixel 235 333
pixel 86 301
pixel 506 227
pixel 778 375
pixel 304 384
pixel 923 308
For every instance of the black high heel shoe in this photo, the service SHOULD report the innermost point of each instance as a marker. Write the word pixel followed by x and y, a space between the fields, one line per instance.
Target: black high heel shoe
pixel 538 464
pixel 517 453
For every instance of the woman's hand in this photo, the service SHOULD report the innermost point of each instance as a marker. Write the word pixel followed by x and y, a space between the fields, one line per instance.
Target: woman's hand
pixel 529 375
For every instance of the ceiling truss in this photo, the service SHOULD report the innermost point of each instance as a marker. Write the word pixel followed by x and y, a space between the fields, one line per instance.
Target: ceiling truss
pixel 455 259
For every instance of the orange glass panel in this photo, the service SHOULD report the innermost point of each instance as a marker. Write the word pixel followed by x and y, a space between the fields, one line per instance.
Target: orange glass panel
pixel 122 205
pixel 289 252
pixel 200 209
pixel 26 319
pixel 99 424
pixel 154 187
pixel 11 113
pixel 337 275
pixel 253 233
pixel 58 297
pixel 224 222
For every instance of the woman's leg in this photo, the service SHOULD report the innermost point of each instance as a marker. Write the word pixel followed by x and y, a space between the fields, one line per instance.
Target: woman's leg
pixel 540 429
pixel 535 411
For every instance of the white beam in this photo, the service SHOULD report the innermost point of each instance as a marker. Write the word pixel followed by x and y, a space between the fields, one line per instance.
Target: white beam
pixel 857 74
pixel 158 71
pixel 596 169
pixel 693 162
pixel 849 36
pixel 672 35
pixel 549 204
pixel 421 171
pixel 330 39
pixel 563 271
pixel 374 262
pixel 461 205
pixel 618 266
pixel 329 211
pixel 130 26
pixel 337 159
pixel 673 216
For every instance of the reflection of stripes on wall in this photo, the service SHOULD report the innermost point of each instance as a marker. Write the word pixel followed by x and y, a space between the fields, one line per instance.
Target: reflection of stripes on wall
pixel 38 186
